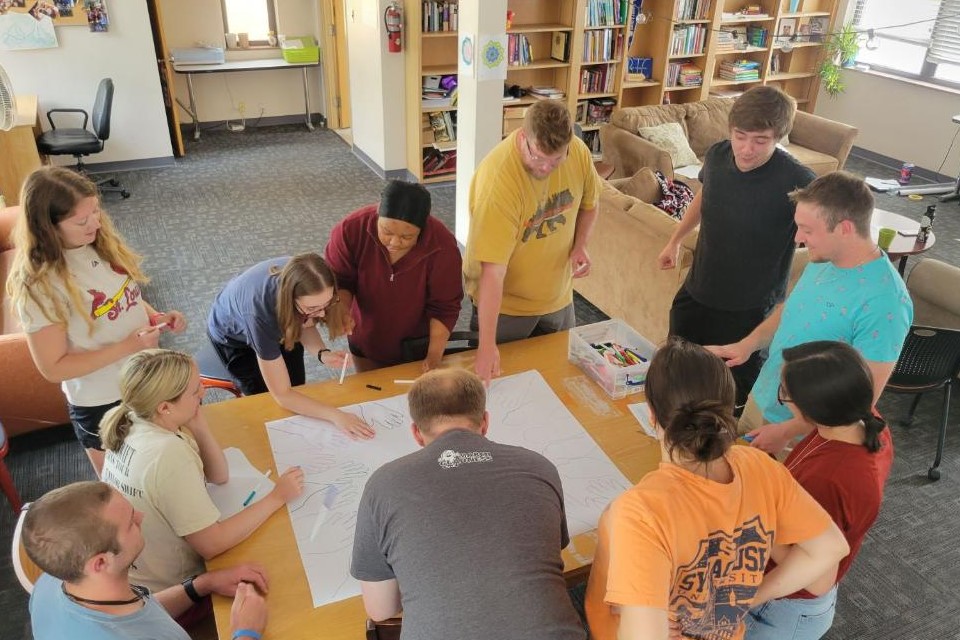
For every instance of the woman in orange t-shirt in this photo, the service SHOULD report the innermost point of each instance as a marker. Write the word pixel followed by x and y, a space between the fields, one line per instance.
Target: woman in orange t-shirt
pixel 690 542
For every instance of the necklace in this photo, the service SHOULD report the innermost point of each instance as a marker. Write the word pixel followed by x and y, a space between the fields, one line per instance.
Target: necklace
pixel 805 453
pixel 139 594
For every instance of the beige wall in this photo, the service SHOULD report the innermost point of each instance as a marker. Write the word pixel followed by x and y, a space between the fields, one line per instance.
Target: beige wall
pixel 278 93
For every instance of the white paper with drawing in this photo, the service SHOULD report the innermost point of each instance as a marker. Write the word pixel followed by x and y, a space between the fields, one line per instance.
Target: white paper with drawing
pixel 524 411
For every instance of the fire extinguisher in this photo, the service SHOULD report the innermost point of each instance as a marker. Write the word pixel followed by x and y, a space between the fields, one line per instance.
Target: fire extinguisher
pixel 393 21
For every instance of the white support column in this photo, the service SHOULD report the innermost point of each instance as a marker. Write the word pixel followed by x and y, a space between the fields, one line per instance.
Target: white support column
pixel 479 102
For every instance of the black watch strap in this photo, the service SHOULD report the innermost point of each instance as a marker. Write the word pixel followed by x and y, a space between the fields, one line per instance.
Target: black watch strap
pixel 191 590
pixel 320 354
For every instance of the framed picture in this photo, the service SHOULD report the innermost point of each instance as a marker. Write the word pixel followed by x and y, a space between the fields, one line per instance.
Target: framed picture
pixel 786 29
pixel 818 28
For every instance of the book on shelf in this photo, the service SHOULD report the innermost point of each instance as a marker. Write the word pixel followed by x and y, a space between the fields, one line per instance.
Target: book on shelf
pixel 598 79
pixel 436 162
pixel 688 39
pixel 599 110
pixel 545 92
pixel 682 73
pixel 743 17
pixel 757 36
pixel 560 46
pixel 519 51
pixel 606 13
pixel 602 45
pixel 693 9
pixel 740 70
pixel 639 68
pixel 439 15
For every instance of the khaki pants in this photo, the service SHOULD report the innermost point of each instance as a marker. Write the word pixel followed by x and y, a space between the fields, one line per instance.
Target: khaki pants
pixel 751 418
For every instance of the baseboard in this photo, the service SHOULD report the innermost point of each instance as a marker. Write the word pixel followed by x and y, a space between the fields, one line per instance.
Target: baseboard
pixel 392 174
pixel 893 163
pixel 127 165
pixel 318 119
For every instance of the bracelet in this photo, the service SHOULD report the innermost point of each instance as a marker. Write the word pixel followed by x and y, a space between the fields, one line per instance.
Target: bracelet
pixel 246 633
pixel 320 355
pixel 191 590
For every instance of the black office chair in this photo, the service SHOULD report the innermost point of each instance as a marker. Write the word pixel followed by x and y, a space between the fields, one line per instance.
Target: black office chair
pixel 79 142
pixel 930 360
pixel 413 349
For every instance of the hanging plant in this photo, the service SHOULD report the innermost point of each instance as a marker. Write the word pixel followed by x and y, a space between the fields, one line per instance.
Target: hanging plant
pixel 839 51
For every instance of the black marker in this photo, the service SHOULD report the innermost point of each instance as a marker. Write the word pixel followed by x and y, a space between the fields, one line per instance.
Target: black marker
pixel 374 387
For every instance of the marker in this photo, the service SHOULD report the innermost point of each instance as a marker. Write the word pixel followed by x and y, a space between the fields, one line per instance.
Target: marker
pixel 343 371
pixel 257 488
pixel 581 267
pixel 403 381
pixel 155 327
pixel 328 501
pixel 748 437
pixel 374 387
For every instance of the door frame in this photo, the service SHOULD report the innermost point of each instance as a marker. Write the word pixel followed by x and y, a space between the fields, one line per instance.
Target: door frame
pixel 336 70
pixel 165 69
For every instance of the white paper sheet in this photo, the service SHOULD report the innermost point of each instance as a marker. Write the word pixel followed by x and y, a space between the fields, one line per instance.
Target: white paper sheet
pixel 524 411
pixel 244 479
pixel 641 412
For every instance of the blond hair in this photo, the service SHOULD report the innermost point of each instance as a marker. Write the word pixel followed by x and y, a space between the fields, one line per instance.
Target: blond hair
pixel 49 196
pixel 66 527
pixel 149 378
pixel 549 125
pixel 304 275
pixel 447 393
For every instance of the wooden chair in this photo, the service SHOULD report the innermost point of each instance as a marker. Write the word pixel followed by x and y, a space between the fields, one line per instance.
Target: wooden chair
pixel 26 571
pixel 213 375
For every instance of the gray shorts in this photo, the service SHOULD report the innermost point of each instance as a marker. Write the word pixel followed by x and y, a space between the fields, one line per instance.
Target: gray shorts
pixel 510 328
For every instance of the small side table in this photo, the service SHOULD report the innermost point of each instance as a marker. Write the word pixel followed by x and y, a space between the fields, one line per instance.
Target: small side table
pixel 6 480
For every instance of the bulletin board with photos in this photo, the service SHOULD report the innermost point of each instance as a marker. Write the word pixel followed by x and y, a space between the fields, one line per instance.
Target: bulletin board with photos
pixel 62 12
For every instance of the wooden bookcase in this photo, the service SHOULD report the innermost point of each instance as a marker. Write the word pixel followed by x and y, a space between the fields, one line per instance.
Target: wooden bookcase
pixel 792 68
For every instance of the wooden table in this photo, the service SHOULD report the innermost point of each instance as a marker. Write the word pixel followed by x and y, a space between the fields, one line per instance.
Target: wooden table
pixel 240 423
pixel 271 64
pixel 904 243
pixel 18 149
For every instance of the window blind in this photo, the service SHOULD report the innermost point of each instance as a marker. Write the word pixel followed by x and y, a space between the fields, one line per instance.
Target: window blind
pixel 945 39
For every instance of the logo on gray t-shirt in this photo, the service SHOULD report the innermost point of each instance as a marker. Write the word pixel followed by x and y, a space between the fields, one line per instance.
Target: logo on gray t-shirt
pixel 451 459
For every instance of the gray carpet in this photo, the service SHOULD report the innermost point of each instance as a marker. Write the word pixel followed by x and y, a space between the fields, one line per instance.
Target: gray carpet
pixel 239 198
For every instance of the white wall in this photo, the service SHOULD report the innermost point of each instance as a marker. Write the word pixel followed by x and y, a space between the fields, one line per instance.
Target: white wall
pixel 376 86
pixel 68 76
pixel 278 93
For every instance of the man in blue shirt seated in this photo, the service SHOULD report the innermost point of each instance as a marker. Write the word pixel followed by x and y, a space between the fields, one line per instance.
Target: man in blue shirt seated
pixel 850 291
pixel 85 537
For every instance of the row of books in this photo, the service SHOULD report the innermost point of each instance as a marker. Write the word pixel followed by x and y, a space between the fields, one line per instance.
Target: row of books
pixel 693 9
pixel 519 51
pixel 439 15
pixel 599 110
pixel 733 38
pixel 438 163
pixel 689 39
pixel 602 45
pixel 740 70
pixel 682 73
pixel 598 79
pixel 606 13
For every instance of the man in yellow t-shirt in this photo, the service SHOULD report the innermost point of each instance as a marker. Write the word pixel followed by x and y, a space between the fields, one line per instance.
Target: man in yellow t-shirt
pixel 533 203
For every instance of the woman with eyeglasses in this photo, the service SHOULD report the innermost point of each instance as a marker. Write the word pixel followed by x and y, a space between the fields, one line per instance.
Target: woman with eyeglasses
pixel 687 546
pixel 76 286
pixel 843 463
pixel 264 319
pixel 399 274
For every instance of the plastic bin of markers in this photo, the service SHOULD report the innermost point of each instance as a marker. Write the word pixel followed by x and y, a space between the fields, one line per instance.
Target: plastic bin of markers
pixel 618 382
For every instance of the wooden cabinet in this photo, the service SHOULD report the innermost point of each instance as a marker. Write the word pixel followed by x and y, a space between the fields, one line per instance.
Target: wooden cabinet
pixel 18 149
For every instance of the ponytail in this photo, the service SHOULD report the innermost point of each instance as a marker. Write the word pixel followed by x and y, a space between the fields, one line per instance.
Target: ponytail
pixel 873 426
pixel 114 427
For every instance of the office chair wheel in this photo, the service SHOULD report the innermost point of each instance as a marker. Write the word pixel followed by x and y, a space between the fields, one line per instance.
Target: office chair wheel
pixel 124 194
pixel 933 473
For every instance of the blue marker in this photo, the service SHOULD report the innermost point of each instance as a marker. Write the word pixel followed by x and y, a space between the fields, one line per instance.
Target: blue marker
pixel 259 486
pixel 748 437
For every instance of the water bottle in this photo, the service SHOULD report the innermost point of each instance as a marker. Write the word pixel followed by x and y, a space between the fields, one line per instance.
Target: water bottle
pixel 926 222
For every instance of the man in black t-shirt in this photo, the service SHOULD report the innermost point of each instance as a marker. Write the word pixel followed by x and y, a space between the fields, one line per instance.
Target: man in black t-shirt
pixel 746 242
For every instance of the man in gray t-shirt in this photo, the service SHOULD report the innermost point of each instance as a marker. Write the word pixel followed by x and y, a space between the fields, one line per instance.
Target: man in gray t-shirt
pixel 464 536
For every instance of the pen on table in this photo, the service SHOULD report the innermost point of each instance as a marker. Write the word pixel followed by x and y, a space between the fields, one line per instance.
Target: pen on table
pixel 343 371
pixel 374 387
pixel 257 488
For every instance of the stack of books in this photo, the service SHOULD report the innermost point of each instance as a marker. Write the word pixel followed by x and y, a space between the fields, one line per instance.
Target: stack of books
pixel 740 70
pixel 684 74
pixel 546 93
pixel 727 39
pixel 434 96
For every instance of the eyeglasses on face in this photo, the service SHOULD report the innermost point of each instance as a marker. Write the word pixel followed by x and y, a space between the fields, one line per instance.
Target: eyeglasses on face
pixel 312 311
pixel 782 397
pixel 544 160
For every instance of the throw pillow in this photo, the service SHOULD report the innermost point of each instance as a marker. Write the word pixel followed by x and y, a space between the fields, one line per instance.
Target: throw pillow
pixel 671 139
pixel 643 186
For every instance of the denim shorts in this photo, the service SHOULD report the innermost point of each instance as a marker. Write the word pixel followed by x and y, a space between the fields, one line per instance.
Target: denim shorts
pixel 792 618
pixel 86 423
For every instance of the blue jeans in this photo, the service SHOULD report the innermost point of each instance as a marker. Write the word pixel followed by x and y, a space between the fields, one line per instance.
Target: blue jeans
pixel 792 618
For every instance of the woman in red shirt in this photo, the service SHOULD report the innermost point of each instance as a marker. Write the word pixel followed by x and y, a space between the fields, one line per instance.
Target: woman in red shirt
pixel 844 464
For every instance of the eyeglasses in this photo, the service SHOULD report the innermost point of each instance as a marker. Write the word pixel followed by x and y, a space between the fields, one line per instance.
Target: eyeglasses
pixel 781 397
pixel 312 311
pixel 542 160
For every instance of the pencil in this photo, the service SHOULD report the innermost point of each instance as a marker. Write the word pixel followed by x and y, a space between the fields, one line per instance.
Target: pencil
pixel 343 371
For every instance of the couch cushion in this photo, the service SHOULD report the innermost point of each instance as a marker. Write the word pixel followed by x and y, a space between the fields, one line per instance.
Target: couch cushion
pixel 707 123
pixel 632 118
pixel 670 137
pixel 643 185
pixel 819 163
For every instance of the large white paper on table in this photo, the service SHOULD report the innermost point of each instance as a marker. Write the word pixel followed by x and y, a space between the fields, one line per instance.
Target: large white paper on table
pixel 244 480
pixel 524 411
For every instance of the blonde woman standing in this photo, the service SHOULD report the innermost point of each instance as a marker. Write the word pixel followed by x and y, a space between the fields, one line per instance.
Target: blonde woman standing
pixel 76 287
pixel 160 455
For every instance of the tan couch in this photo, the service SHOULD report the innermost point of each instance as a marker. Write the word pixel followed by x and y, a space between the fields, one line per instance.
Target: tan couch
pixel 821 144
pixel 27 401
pixel 625 281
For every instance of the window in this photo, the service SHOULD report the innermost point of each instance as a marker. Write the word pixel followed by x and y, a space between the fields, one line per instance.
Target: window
pixel 254 17
pixel 926 45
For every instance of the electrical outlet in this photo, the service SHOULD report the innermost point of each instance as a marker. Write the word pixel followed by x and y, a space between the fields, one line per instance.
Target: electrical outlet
pixel 242 108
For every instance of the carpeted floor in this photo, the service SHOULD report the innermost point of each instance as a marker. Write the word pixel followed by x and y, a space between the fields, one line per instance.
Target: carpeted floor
pixel 239 198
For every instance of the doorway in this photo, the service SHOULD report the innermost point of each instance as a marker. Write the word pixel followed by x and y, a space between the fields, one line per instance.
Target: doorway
pixel 165 69
pixel 336 71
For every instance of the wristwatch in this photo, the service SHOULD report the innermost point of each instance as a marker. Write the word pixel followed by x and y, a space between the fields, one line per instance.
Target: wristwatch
pixel 191 590
pixel 320 355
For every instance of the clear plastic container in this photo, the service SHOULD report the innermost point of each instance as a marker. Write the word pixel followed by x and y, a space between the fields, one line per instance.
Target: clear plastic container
pixel 617 381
